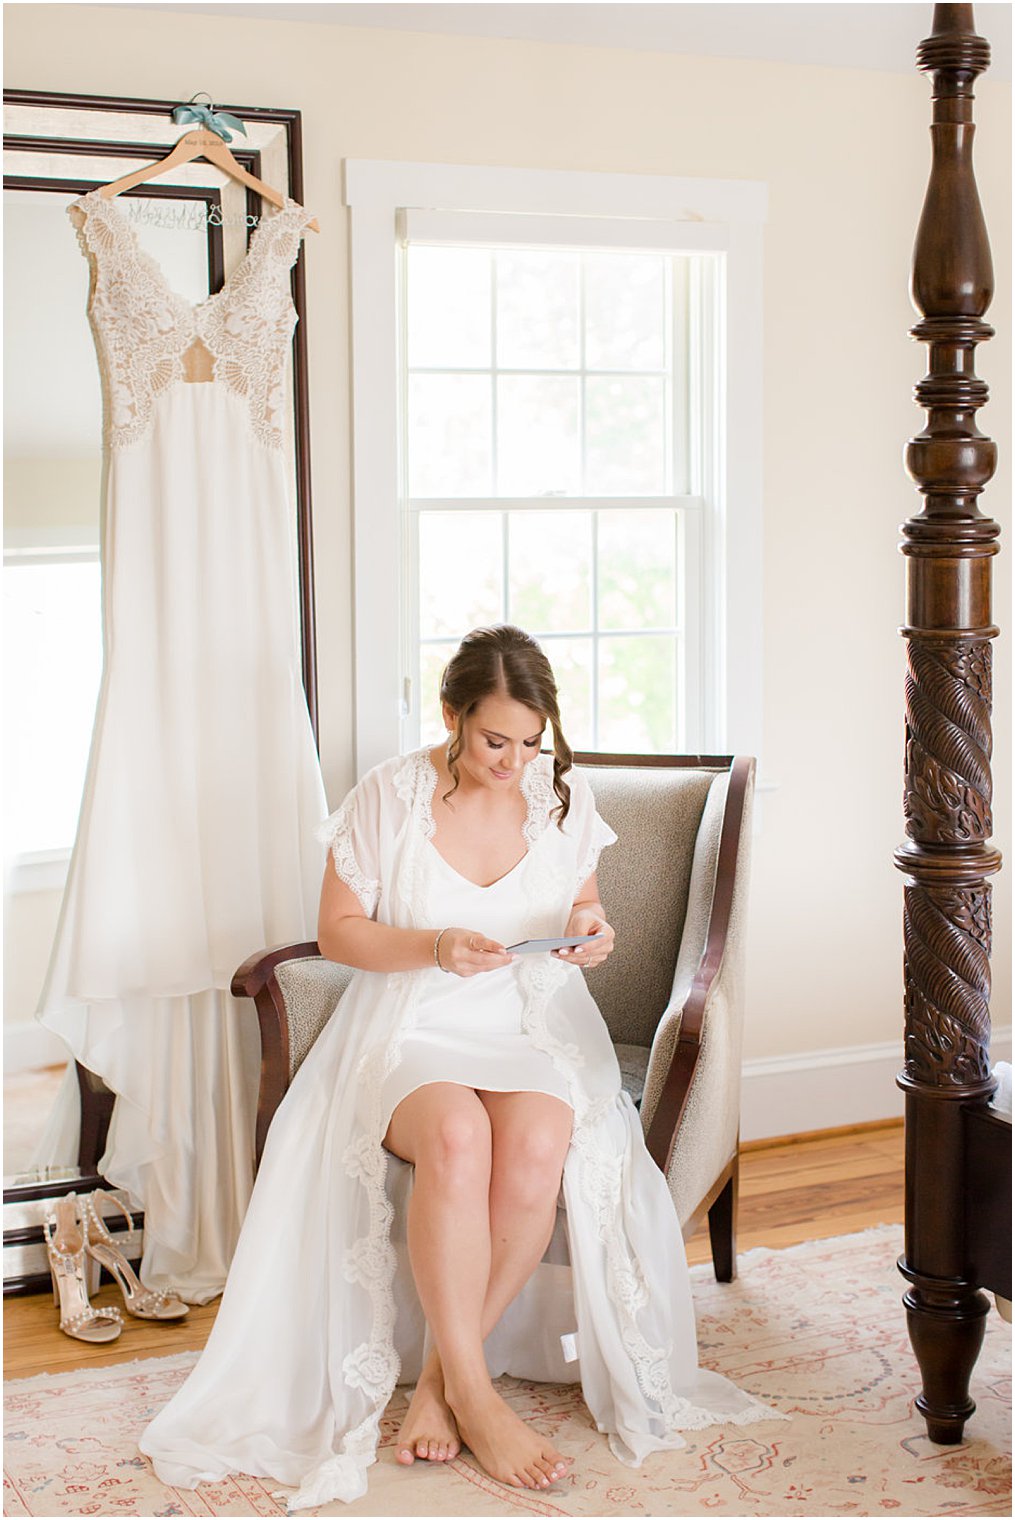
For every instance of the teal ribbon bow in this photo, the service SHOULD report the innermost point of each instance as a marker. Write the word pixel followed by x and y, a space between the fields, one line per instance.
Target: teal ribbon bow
pixel 208 117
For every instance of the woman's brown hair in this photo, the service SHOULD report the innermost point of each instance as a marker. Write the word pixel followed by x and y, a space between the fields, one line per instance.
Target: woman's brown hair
pixel 504 660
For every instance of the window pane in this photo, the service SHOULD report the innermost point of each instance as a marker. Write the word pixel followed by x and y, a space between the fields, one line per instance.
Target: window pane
pixel 449 308
pixel 637 569
pixel 625 311
pixel 450 419
pixel 537 311
pixel 537 436
pixel 572 665
pixel 637 687
pixel 53 635
pixel 432 660
pixel 550 570
pixel 460 572
pixel 625 435
pixel 580 362
pixel 683 388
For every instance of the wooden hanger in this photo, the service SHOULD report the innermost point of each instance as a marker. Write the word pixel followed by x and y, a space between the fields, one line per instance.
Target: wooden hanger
pixel 198 143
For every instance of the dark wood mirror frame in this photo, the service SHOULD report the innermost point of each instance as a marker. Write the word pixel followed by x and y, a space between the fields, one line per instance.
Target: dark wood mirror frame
pixel 93 140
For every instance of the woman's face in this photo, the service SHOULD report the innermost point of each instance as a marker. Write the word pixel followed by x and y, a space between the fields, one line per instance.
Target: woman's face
pixel 500 737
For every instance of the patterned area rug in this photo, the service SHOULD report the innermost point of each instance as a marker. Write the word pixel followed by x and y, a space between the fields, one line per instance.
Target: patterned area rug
pixel 817 1330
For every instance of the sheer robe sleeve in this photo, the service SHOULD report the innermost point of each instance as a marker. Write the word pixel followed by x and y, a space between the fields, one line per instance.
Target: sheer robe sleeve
pixel 353 837
pixel 591 832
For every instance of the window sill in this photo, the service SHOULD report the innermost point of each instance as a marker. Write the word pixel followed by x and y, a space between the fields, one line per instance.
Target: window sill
pixel 37 871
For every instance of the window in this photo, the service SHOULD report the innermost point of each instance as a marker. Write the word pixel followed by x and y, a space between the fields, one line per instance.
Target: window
pixel 547 440
pixel 53 639
pixel 551 400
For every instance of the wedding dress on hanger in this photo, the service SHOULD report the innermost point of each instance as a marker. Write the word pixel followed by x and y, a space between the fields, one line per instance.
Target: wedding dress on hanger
pixel 195 842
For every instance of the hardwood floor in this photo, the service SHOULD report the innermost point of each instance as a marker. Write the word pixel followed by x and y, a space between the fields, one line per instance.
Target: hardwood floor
pixel 792 1190
pixel 816 1185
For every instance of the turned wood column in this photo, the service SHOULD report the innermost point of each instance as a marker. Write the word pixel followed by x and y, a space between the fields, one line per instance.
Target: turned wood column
pixel 947 858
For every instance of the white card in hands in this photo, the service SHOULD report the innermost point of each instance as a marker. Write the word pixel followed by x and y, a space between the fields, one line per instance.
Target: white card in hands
pixel 531 946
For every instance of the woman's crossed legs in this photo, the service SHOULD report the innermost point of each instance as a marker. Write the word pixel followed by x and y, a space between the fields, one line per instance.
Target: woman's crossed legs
pixel 487 1174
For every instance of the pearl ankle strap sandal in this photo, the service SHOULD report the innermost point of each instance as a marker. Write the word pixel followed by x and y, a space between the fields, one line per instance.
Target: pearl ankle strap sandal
pixel 141 1302
pixel 65 1242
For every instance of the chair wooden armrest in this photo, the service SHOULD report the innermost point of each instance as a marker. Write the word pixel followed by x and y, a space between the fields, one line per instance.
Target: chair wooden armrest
pixel 256 979
pixel 662 1131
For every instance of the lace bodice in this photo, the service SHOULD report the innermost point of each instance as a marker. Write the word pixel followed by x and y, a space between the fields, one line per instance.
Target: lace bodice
pixel 146 333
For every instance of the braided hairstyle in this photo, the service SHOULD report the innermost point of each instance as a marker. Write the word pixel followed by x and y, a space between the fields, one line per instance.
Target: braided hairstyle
pixel 505 661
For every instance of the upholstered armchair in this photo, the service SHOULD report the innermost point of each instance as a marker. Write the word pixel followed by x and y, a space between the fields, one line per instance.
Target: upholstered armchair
pixel 672 994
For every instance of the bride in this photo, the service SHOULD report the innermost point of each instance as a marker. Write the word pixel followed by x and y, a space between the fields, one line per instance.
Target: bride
pixel 523 1227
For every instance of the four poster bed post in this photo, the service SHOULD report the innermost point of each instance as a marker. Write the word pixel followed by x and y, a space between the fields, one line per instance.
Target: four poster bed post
pixel 958 1152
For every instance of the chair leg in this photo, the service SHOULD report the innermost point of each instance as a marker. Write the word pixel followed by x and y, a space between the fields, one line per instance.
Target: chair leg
pixel 96 1112
pixel 722 1227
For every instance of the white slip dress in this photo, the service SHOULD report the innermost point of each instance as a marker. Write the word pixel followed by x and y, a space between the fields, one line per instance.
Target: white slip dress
pixel 195 843
pixel 320 1319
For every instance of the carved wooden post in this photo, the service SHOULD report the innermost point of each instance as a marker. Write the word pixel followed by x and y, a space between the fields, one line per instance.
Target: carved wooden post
pixel 947 859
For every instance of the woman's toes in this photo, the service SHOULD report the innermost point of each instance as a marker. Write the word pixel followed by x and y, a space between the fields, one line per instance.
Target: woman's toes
pixel 405 1455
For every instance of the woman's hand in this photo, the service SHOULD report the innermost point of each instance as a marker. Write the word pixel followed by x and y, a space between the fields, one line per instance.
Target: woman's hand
pixel 587 918
pixel 466 952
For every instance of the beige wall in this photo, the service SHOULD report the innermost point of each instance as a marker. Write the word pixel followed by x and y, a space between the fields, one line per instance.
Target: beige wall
pixel 845 155
pixel 52 494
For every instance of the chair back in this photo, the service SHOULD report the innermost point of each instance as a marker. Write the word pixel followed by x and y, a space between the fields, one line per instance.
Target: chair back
pixel 311 988
pixel 644 879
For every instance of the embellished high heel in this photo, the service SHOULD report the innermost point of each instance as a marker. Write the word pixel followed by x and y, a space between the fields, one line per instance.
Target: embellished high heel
pixel 65 1243
pixel 142 1302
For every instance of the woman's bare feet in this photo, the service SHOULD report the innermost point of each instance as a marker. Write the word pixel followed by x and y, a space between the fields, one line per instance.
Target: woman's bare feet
pixel 507 1448
pixel 428 1430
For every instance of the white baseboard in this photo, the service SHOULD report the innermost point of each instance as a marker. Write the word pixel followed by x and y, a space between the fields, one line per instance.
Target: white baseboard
pixel 781 1095
pixel 829 1089
pixel 29 1046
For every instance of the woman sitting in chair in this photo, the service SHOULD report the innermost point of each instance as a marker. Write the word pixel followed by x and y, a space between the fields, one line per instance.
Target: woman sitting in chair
pixel 486 1066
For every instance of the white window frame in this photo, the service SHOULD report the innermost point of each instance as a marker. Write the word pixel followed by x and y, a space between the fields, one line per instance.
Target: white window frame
pixel 634 211
pixel 45 870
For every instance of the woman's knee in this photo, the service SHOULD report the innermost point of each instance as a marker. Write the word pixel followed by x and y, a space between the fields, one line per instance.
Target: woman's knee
pixel 455 1145
pixel 528 1158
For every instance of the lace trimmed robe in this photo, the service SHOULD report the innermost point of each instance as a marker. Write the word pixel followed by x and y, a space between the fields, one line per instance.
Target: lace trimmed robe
pixel 320 1316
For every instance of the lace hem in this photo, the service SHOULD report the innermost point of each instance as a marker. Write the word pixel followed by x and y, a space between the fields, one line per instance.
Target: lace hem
pixel 370 1261
pixel 601 1180
pixel 695 1418
pixel 336 833
pixel 602 835
pixel 537 789
pixel 343 1477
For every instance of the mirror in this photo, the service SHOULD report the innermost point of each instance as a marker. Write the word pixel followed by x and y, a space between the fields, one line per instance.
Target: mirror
pixel 196 223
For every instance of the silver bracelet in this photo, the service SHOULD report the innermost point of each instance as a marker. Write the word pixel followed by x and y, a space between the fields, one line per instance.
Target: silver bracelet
pixel 437 953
